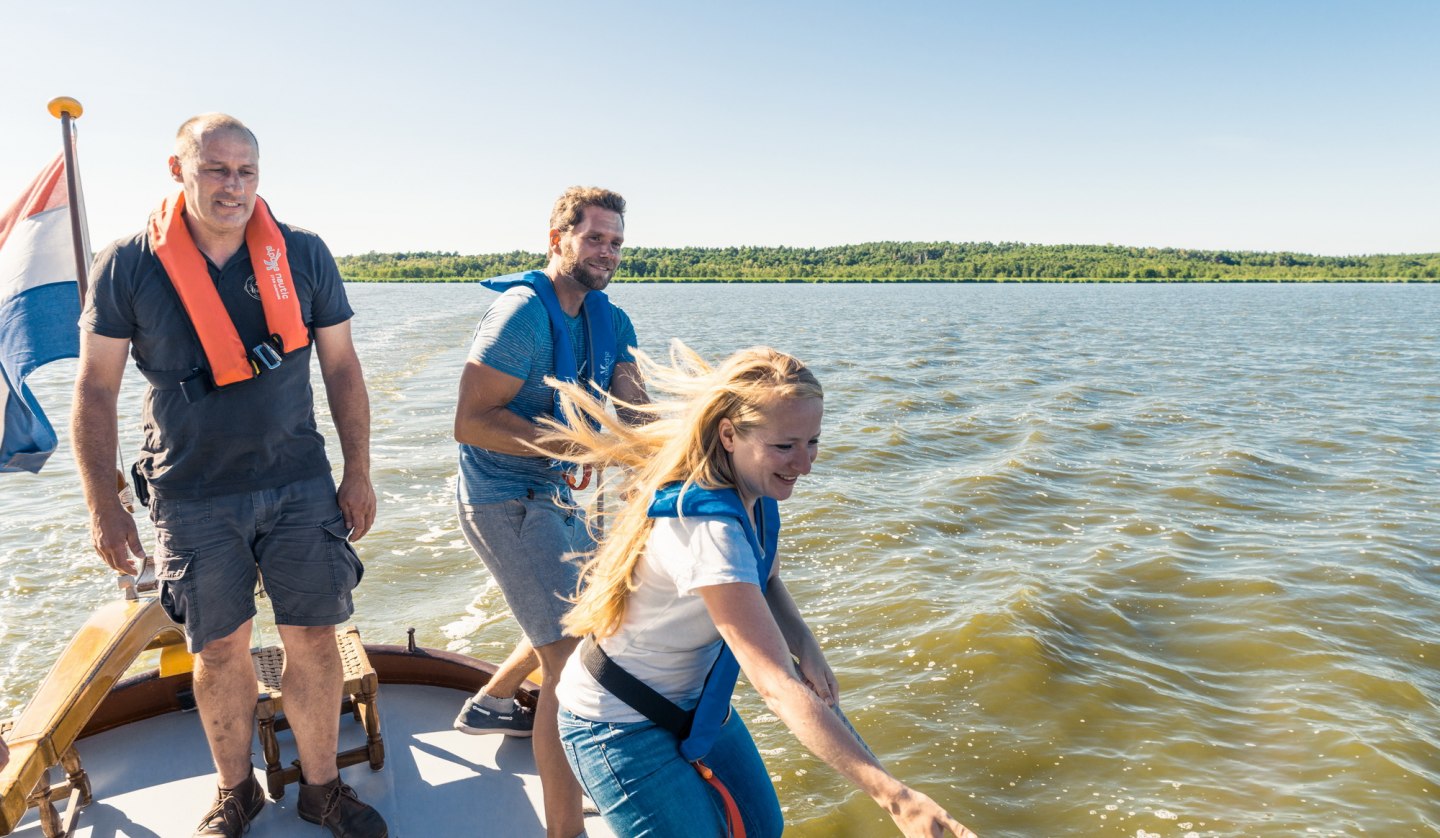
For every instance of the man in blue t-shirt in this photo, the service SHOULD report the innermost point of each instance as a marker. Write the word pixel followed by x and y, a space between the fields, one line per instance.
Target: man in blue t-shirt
pixel 514 503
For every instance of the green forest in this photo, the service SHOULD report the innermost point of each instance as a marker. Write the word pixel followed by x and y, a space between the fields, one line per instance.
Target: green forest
pixel 921 262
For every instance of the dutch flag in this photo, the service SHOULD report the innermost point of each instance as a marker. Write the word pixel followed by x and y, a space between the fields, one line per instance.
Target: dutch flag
pixel 39 311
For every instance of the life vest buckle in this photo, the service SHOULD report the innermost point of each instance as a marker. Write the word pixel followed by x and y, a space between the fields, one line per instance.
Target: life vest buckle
pixel 265 353
pixel 194 387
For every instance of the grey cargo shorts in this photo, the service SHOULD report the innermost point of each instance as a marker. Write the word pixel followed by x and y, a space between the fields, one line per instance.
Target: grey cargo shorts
pixel 525 544
pixel 213 550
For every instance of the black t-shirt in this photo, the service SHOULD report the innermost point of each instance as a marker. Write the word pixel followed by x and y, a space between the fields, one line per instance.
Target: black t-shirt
pixel 257 434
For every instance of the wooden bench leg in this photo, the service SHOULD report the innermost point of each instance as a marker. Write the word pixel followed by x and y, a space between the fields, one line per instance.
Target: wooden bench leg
pixel 360 697
pixel 75 775
pixel 370 717
pixel 40 799
pixel 270 746
pixel 75 791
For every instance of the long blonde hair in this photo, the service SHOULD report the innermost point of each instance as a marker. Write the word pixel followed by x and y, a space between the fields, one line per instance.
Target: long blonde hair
pixel 680 442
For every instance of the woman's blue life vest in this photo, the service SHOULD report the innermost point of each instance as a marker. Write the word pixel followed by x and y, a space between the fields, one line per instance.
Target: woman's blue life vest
pixel 763 535
pixel 599 325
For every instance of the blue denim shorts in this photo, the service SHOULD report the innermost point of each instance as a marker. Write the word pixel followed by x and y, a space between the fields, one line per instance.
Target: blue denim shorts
pixel 642 786
pixel 213 551
pixel 526 545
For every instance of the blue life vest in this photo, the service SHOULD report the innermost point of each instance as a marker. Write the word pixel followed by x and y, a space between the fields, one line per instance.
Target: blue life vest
pixel 714 703
pixel 599 332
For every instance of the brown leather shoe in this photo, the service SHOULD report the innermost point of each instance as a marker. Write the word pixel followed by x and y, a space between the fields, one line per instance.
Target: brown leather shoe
pixel 336 807
pixel 233 810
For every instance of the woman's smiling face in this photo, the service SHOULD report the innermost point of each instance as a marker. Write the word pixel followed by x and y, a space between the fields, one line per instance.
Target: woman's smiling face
pixel 769 457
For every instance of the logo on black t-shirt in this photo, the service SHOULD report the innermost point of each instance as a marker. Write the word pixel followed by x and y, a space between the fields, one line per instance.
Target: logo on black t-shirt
pixel 251 288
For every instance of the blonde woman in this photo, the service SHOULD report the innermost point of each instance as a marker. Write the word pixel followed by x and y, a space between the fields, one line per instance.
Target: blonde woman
pixel 683 592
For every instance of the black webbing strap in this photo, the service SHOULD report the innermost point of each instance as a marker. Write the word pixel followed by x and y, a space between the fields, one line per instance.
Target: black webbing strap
pixel 634 692
pixel 194 384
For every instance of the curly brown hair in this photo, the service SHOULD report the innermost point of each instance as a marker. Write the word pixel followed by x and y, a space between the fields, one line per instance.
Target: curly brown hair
pixel 570 207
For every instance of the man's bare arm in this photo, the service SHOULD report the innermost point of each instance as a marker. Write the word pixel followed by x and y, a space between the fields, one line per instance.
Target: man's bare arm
pixel 95 441
pixel 627 387
pixel 350 408
pixel 482 415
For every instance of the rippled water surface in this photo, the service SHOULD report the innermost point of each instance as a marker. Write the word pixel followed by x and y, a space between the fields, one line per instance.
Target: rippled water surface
pixel 1089 560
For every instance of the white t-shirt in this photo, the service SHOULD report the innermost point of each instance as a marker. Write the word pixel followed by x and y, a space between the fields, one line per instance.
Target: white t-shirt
pixel 667 638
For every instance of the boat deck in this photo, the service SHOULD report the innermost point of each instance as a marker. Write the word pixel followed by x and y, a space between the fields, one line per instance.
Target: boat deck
pixel 154 778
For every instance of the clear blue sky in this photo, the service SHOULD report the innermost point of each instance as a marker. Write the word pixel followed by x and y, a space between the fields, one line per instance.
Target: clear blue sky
pixel 1306 125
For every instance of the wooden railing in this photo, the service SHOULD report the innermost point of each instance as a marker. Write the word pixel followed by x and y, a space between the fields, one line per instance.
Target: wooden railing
pixel 44 735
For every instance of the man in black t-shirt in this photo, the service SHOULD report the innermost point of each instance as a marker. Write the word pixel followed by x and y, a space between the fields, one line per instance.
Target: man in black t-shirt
pixel 221 306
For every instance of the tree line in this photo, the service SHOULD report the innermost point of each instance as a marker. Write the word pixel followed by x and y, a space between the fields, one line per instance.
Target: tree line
pixel 920 261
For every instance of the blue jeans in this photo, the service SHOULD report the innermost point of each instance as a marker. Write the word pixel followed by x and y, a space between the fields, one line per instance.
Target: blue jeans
pixel 643 787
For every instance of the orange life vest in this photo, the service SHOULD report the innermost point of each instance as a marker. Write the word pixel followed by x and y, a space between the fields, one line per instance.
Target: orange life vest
pixel 230 362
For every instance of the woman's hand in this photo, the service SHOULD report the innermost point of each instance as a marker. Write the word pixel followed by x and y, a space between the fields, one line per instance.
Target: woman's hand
pixel 815 671
pixel 750 623
pixel 920 817
pixel 811 667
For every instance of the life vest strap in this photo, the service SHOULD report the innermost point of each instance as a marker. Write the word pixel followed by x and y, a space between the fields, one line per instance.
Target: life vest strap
pixel 645 700
pixel 194 384
pixel 733 821
pixel 638 695
pixel 680 500
pixel 601 347
pixel 581 484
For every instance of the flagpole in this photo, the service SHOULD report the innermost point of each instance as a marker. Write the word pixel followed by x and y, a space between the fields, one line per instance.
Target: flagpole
pixel 67 110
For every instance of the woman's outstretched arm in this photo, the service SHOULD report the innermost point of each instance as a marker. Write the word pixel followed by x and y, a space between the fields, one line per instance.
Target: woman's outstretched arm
pixel 801 642
pixel 743 616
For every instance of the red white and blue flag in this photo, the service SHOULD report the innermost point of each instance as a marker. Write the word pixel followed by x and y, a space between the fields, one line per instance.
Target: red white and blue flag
pixel 39 310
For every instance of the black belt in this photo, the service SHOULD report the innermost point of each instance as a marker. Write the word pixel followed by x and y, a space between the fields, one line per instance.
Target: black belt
pixel 194 383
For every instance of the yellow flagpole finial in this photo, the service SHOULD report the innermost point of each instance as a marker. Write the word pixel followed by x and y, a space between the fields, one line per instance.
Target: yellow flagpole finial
pixel 61 105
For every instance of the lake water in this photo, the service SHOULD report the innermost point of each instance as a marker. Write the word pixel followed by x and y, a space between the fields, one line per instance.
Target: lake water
pixel 1138 560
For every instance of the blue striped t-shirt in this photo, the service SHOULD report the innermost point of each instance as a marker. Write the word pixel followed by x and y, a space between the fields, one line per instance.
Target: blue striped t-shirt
pixel 514 338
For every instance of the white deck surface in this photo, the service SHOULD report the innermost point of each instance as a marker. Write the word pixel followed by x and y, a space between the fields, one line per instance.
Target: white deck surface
pixel 154 779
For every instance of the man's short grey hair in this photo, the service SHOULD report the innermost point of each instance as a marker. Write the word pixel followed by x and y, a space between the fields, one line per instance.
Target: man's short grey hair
pixel 194 129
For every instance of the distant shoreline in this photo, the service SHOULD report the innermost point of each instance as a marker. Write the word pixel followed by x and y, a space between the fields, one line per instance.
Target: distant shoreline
pixel 921 262
pixel 925 281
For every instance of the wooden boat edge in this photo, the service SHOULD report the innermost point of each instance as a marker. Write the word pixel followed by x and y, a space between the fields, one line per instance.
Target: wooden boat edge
pixel 85 694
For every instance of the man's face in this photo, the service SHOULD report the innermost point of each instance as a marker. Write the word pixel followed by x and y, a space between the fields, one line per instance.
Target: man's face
pixel 220 183
pixel 590 252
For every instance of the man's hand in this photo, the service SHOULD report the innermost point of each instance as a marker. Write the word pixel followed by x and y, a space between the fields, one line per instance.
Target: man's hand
pixel 113 533
pixel 350 408
pixel 356 497
pixel 92 428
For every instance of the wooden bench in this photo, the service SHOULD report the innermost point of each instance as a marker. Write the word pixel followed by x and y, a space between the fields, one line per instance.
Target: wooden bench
pixel 75 789
pixel 360 694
